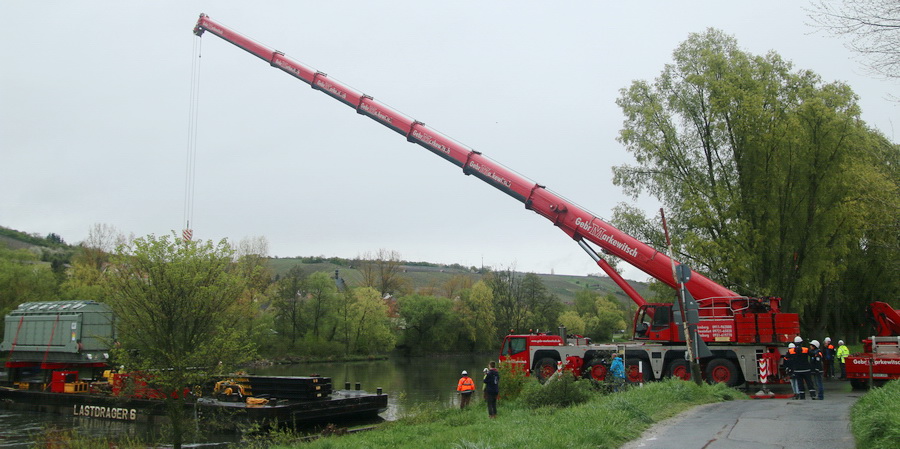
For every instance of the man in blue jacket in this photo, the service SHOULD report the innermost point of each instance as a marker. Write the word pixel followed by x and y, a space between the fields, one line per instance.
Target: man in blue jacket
pixel 617 369
pixel 491 388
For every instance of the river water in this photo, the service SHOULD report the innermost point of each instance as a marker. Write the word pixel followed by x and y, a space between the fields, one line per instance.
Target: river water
pixel 408 382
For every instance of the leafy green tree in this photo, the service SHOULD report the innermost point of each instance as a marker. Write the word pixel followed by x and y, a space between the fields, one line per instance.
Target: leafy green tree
pixel 573 322
pixel 370 327
pixel 759 168
pixel 475 310
pixel 178 316
pixel 428 323
pixel 251 256
pixel 321 294
pixel 509 305
pixel 288 303
pixel 601 316
pixel 522 302
pixel 543 307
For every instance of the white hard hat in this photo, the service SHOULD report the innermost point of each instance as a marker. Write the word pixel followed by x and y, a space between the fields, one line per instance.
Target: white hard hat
pixel 792 345
pixel 840 342
pixel 815 343
pixel 464 373
pixel 798 339
pixel 827 339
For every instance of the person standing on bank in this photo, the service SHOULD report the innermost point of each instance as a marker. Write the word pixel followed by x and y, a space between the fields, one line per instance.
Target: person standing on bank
pixel 617 369
pixel 491 388
pixel 465 387
pixel 788 364
pixel 842 353
pixel 815 360
pixel 802 368
pixel 828 359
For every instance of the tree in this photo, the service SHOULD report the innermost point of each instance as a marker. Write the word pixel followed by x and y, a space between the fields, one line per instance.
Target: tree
pixel 543 306
pixel 763 170
pixel 573 322
pixel 288 303
pixel 251 262
pixel 872 27
pixel 177 315
pixel 383 272
pixel 456 284
pixel 321 294
pixel 601 316
pixel 370 328
pixel 476 314
pixel 522 301
pixel 510 310
pixel 429 323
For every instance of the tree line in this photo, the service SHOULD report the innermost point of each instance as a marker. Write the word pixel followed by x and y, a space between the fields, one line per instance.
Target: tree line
pixel 299 314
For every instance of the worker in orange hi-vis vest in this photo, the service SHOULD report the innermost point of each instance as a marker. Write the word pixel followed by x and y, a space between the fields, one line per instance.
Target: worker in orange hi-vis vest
pixel 465 387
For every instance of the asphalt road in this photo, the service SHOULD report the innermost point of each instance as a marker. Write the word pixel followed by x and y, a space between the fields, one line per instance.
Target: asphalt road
pixel 760 423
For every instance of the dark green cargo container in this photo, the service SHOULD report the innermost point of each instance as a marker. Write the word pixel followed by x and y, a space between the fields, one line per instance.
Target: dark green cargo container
pixel 58 334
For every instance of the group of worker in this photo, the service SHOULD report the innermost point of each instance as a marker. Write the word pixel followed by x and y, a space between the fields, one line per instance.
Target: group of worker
pixel 809 365
pixel 466 388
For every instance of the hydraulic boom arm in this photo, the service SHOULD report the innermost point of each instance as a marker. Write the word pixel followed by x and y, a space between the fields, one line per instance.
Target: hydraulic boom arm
pixel 571 219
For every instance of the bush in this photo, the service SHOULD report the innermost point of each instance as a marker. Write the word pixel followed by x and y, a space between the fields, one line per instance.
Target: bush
pixel 874 418
pixel 512 380
pixel 561 391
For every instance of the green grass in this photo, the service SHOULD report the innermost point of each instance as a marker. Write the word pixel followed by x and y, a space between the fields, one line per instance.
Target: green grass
pixel 604 421
pixel 875 418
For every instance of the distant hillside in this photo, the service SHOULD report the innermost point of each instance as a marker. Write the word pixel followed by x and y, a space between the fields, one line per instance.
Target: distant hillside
pixel 51 247
pixel 423 275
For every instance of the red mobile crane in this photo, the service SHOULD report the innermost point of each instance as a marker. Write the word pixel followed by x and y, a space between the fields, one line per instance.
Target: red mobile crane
pixel 744 330
pixel 880 360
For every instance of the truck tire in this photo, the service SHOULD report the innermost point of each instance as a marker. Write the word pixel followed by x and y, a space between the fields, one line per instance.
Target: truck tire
pixel 544 368
pixel 633 374
pixel 679 369
pixel 596 370
pixel 723 371
pixel 859 384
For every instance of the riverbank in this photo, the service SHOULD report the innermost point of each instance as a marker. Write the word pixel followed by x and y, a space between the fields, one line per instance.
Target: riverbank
pixel 605 421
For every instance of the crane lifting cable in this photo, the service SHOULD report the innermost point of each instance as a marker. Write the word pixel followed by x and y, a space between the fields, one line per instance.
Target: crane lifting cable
pixel 191 157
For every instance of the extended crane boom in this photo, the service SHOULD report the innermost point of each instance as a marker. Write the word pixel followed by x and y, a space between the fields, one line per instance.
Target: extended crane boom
pixel 576 222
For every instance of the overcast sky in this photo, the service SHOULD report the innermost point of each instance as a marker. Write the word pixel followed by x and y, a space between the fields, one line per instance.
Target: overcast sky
pixel 95 97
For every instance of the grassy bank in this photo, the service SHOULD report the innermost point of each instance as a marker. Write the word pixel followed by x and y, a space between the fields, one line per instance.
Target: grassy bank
pixel 875 418
pixel 604 421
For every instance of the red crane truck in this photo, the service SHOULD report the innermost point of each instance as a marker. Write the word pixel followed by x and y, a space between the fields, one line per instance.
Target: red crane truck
pixel 741 331
pixel 880 360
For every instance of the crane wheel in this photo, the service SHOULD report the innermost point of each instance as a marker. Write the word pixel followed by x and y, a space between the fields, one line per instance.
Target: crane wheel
pixel 679 369
pixel 723 371
pixel 544 368
pixel 633 371
pixel 596 370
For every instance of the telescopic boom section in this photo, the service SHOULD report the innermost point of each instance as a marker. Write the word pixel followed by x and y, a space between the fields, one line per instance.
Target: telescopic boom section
pixel 571 219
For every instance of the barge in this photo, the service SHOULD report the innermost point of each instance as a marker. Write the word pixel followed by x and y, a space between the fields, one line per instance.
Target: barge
pixel 263 410
pixel 58 362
